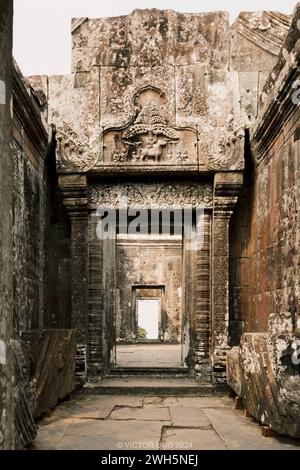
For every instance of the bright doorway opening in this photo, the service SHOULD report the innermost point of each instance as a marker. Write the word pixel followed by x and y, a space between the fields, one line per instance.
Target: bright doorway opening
pixel 148 318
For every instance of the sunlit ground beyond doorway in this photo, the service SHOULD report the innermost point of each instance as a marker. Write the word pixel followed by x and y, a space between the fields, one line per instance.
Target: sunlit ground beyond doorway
pixel 148 355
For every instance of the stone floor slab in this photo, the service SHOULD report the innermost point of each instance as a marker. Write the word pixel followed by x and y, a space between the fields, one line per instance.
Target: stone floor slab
pixel 105 443
pixel 134 422
pixel 189 417
pixel 121 430
pixel 141 414
pixel 49 433
pixel 85 410
pixel 114 400
pixel 187 439
pixel 241 433
pixel 162 402
pixel 205 402
pixel 148 355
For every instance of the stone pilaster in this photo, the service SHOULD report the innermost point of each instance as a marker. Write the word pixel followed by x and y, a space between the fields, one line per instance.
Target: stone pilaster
pixel 201 298
pixel 96 301
pixel 226 189
pixel 73 188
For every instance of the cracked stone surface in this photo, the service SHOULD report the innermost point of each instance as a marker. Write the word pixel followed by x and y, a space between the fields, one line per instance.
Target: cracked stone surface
pixel 151 423
pixel 190 417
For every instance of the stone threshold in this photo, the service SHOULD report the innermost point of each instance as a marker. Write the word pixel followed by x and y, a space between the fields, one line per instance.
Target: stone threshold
pixel 149 386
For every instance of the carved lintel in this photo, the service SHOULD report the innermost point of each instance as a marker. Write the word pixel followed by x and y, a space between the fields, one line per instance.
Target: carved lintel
pixel 151 195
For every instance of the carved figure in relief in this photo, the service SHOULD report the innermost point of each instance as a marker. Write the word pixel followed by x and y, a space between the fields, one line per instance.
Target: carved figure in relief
pixel 149 138
pixel 149 134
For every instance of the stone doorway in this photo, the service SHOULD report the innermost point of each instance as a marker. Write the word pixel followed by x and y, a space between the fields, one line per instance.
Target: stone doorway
pixel 149 301
pixel 105 287
pixel 153 346
pixel 150 265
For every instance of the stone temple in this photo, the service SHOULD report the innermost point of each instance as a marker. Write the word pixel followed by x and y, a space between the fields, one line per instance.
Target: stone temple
pixel 163 114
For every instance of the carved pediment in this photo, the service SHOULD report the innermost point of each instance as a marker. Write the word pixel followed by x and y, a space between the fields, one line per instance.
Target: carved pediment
pixel 150 137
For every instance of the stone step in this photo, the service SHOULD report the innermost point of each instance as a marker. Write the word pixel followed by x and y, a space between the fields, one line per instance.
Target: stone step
pixel 141 385
pixel 149 372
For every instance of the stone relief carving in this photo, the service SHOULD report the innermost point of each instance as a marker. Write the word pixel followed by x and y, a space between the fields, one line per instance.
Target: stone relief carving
pixel 118 45
pixel 150 53
pixel 70 151
pixel 151 195
pixel 225 151
pixel 116 101
pixel 192 99
pixel 120 87
pixel 264 28
pixel 149 138
pixel 151 40
pixel 149 134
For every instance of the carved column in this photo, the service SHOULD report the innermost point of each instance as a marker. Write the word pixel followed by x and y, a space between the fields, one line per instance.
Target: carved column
pixel 226 188
pixel 74 191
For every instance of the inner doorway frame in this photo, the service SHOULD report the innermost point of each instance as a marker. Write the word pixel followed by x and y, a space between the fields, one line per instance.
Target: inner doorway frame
pixel 160 298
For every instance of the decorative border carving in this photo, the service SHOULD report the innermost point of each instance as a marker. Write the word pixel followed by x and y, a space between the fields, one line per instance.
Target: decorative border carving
pixel 151 195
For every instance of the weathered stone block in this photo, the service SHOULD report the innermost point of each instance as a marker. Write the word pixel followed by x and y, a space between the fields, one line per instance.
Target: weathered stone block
pixel 233 370
pixel 24 425
pixel 53 357
pixel 269 391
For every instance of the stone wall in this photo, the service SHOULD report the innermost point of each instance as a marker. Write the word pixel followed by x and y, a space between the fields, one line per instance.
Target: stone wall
pixel 6 240
pixel 30 142
pixel 267 269
pixel 44 360
pixel 41 226
pixel 256 43
pixel 57 298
